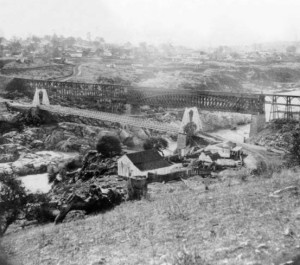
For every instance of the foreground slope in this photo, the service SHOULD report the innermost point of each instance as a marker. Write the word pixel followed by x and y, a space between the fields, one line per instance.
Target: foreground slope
pixel 235 222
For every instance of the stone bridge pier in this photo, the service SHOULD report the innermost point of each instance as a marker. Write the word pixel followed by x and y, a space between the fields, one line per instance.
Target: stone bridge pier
pixel 40 97
pixel 258 122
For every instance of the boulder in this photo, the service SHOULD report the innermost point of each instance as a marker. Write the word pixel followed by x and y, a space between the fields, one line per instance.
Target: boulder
pixel 37 144
pixel 104 133
pixel 5 168
pixel 89 131
pixel 9 148
pixel 250 162
pixel 124 135
pixel 35 163
pixel 142 134
pixel 22 168
pixel 137 141
pixel 129 142
pixel 10 135
pixel 4 158
pixel 145 107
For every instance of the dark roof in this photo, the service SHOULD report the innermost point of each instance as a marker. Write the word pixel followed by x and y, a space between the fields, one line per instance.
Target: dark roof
pixel 213 156
pixel 148 160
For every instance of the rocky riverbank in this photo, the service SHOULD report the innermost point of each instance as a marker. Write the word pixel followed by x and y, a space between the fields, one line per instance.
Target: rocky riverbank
pixel 277 134
pixel 25 135
pixel 36 142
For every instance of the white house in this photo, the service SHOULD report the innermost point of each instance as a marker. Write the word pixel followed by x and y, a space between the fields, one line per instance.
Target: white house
pixel 144 162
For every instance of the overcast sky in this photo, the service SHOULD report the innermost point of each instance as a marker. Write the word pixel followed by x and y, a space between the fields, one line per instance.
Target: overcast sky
pixel 193 23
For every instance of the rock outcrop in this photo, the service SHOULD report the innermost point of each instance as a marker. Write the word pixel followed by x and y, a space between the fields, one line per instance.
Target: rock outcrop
pixel 34 163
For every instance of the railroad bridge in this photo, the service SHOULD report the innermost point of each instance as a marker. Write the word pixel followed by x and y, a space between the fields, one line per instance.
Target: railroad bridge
pixel 114 98
pixel 136 96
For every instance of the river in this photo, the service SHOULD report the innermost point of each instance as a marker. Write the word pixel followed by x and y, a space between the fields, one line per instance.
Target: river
pixel 39 182
pixel 36 183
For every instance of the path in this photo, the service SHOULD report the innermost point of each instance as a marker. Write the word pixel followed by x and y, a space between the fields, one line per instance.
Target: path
pixel 76 73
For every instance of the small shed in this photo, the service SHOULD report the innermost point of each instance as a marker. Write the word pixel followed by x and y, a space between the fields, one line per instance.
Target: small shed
pixel 237 152
pixel 142 163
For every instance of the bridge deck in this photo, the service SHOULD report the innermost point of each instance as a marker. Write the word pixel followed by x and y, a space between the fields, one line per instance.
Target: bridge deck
pixel 105 116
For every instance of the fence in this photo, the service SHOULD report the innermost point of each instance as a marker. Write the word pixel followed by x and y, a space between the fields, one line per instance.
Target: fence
pixel 182 174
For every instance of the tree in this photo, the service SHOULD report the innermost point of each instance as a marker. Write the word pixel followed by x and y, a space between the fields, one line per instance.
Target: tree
pixel 36 39
pixel 190 130
pixel 70 41
pixel 15 46
pixel 291 49
pixel 157 143
pixel 109 146
pixel 12 200
pixel 100 39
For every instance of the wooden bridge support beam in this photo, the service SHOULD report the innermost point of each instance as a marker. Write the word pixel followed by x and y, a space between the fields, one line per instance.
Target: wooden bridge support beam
pixel 258 122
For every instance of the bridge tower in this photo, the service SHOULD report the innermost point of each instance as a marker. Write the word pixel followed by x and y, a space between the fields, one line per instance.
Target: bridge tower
pixel 191 115
pixel 258 122
pixel 36 99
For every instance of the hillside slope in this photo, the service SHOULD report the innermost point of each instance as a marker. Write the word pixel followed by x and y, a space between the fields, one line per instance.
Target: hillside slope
pixel 277 134
pixel 235 222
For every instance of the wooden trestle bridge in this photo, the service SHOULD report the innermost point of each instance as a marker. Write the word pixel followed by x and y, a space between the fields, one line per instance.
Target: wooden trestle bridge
pixel 282 106
pixel 169 98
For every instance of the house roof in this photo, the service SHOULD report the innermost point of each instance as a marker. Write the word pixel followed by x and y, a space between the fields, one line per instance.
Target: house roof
pixel 213 156
pixel 148 160
pixel 237 148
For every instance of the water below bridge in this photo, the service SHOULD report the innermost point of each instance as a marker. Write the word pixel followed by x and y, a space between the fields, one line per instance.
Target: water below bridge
pixel 39 182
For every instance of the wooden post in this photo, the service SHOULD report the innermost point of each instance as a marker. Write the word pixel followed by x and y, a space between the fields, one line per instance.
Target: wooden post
pixel 137 187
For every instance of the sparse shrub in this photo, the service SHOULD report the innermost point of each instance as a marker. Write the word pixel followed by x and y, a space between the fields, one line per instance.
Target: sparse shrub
pixel 176 211
pixel 52 172
pixel 157 143
pixel 244 174
pixel 62 169
pixel 54 138
pixel 186 257
pixel 12 200
pixel 17 88
pixel 68 145
pixel 38 208
pixel 109 146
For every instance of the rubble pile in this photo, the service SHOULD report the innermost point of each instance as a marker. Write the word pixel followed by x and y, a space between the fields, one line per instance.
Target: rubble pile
pixel 92 188
pixel 277 135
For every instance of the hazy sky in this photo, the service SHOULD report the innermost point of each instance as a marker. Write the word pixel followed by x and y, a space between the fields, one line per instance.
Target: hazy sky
pixel 188 22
